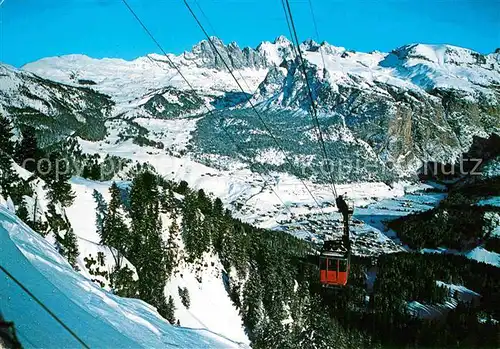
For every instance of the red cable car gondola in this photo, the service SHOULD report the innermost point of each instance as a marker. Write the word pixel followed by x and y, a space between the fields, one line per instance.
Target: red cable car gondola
pixel 335 256
pixel 334 268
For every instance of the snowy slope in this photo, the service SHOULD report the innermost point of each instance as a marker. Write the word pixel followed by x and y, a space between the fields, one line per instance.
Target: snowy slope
pixel 244 193
pixel 492 201
pixel 479 254
pixel 457 293
pixel 210 308
pixel 130 82
pixel 482 255
pixel 82 216
pixel 82 212
pixel 99 318
pixel 207 298
pixel 54 110
pixel 240 185
pixel 18 88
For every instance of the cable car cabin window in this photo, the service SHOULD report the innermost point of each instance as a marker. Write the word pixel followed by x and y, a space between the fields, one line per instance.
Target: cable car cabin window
pixel 332 264
pixel 322 264
pixel 343 265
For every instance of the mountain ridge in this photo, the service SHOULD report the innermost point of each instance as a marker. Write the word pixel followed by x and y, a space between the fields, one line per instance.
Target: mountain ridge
pixel 309 43
pixel 414 65
pixel 414 104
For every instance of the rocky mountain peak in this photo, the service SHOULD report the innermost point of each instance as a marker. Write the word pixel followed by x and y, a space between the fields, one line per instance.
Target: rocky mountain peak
pixel 439 54
pixel 282 41
pixel 310 45
pixel 430 99
pixel 204 56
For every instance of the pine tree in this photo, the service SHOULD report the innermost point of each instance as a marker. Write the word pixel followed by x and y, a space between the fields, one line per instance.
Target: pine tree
pixel 170 311
pixel 319 330
pixel 6 143
pixel 182 188
pixel 55 220
pixel 171 199
pixel 122 282
pixel 101 210
pixel 92 170
pixel 218 208
pixel 172 247
pixel 204 203
pixel 191 227
pixel 114 230
pixel 57 180
pixel 27 153
pixel 95 171
pixel 184 294
pixel 273 335
pixel 228 243
pixel 7 174
pixel 196 227
pixel 66 240
pixel 115 234
pixel 22 212
pixel 252 311
pixel 204 234
pixel 86 171
pixel 240 241
pixel 147 252
pixel 218 225
pixel 70 248
pixel 168 200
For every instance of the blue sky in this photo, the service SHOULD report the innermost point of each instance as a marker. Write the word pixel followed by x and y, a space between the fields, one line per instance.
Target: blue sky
pixel 32 29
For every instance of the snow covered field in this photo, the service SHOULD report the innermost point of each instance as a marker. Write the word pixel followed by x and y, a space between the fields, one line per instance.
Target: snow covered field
pixel 240 185
pixel 128 82
pixel 210 308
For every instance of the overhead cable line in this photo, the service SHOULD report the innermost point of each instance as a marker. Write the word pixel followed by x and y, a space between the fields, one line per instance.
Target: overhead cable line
pixel 317 33
pixel 54 316
pixel 289 28
pixel 215 33
pixel 314 112
pixel 173 65
pixel 262 166
pixel 268 130
pixel 205 16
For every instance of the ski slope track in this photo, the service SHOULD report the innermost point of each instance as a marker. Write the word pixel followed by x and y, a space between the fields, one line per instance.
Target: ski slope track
pixel 100 319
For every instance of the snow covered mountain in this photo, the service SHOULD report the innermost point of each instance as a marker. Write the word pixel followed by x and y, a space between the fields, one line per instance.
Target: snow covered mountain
pixel 55 110
pixel 390 111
